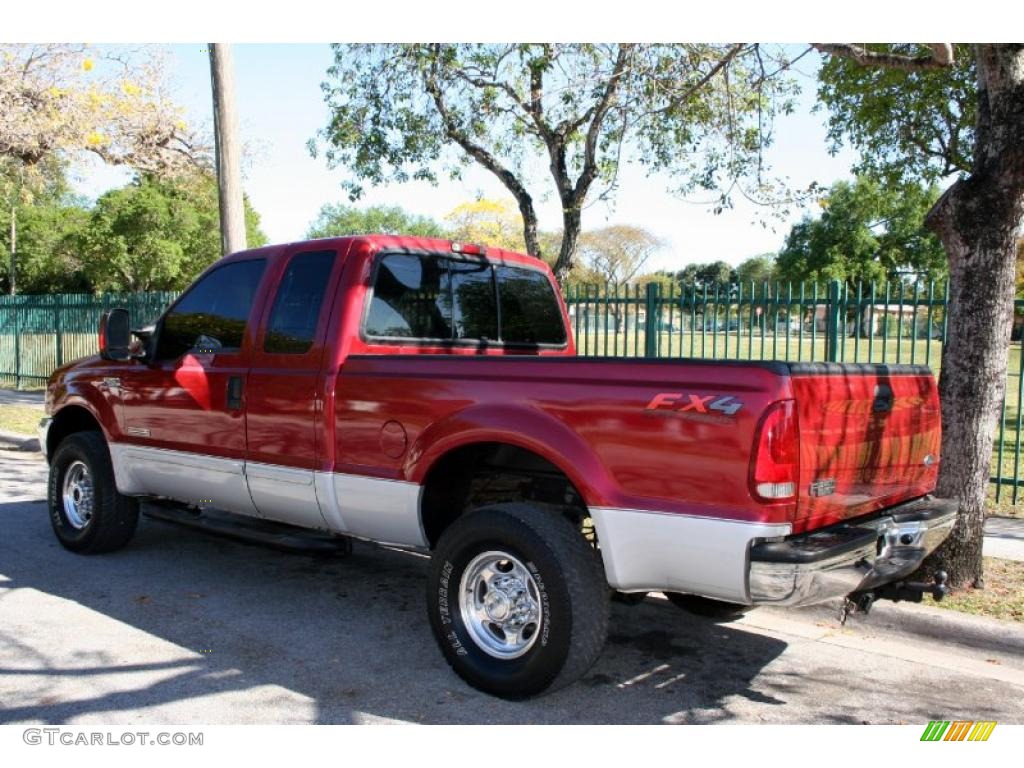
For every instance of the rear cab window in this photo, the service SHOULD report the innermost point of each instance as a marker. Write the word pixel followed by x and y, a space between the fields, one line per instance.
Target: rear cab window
pixel 432 298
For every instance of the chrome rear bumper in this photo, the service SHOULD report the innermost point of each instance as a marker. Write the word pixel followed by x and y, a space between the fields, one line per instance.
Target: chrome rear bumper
pixel 833 562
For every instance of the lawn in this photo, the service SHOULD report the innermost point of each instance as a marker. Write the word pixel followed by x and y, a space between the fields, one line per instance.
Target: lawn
pixel 20 419
pixel 1002 597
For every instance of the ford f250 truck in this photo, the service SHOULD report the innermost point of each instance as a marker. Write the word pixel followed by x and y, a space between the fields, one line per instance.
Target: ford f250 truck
pixel 425 394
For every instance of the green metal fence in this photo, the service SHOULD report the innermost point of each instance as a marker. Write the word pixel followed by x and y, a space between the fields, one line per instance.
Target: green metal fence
pixel 898 323
pixel 39 333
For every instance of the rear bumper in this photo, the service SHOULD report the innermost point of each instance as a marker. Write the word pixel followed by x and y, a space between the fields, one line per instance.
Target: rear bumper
pixel 833 562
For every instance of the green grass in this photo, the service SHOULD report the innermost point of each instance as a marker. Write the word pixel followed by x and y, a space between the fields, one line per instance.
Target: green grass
pixel 1002 597
pixel 20 419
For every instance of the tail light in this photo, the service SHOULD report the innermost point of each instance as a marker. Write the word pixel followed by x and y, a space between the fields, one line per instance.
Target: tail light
pixel 775 464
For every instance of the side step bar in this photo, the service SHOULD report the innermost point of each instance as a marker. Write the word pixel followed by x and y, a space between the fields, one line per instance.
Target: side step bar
pixel 286 538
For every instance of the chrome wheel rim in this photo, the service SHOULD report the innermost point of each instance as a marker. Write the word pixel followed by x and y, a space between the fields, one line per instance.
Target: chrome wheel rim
pixel 78 495
pixel 500 605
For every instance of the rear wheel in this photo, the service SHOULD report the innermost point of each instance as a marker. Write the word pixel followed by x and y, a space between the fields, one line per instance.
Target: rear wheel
pixel 517 599
pixel 88 515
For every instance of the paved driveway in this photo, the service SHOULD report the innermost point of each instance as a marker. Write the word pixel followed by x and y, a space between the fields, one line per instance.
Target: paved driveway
pixel 183 628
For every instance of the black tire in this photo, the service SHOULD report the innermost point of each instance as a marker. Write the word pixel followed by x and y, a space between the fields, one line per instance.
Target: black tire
pixel 716 610
pixel 113 517
pixel 570 586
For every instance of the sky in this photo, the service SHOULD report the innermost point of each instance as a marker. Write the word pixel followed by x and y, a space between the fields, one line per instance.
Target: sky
pixel 281 107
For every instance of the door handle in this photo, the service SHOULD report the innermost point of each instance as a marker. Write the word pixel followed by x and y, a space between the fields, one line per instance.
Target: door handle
pixel 235 393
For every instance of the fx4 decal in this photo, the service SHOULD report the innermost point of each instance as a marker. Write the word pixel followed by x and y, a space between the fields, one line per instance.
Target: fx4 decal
pixel 682 402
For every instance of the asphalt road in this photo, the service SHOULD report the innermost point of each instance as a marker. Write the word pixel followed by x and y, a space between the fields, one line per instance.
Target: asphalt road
pixel 182 628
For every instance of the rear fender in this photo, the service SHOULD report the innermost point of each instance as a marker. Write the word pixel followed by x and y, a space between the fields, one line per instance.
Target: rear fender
pixel 523 427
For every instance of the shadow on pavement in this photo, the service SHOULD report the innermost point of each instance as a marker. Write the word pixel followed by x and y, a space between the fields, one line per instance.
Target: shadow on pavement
pixel 349 633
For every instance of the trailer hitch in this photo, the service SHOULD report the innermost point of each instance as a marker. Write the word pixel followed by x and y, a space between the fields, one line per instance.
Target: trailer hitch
pixel 910 591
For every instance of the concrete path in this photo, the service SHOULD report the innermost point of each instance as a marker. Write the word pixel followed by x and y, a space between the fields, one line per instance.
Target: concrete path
pixel 1004 537
pixel 182 628
pixel 18 397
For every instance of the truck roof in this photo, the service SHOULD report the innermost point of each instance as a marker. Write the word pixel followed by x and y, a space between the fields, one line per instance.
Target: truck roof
pixel 373 244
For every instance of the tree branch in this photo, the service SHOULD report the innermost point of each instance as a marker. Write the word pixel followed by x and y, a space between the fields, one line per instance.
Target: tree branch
pixel 486 159
pixel 941 56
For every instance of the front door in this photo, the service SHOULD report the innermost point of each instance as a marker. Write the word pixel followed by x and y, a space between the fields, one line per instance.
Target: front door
pixel 283 394
pixel 184 410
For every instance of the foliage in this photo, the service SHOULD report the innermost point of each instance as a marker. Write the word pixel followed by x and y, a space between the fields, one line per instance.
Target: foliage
pixel 865 233
pixel 335 220
pixel 71 99
pixel 706 275
pixel 906 125
pixel 49 219
pixel 496 223
pixel 156 234
pixel 757 270
pixel 616 254
pixel 699 112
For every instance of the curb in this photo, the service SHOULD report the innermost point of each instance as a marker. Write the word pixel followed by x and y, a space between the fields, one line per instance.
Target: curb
pixel 925 622
pixel 14 441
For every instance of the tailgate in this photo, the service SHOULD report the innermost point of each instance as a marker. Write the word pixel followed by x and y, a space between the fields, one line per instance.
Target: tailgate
pixel 869 438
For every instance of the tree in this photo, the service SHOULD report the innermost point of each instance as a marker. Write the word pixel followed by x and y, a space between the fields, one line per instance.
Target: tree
pixel 706 276
pixel 866 232
pixel 978 219
pixel 65 100
pixel 701 112
pixel 756 271
pixel 156 234
pixel 492 222
pixel 336 220
pixel 616 255
pixel 50 219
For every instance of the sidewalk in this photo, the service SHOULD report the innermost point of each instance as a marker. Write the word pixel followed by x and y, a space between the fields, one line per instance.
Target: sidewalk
pixel 17 397
pixel 1004 537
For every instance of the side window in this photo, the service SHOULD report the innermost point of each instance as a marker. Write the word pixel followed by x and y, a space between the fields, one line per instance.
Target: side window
pixel 211 316
pixel 296 309
pixel 411 299
pixel 529 309
pixel 474 304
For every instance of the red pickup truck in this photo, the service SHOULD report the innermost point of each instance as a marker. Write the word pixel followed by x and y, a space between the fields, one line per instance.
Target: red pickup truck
pixel 426 394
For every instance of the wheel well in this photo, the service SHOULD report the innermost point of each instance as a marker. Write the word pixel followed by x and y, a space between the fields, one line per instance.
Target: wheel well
pixel 67 421
pixel 489 473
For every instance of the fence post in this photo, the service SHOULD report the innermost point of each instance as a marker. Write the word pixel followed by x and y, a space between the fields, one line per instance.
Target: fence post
pixel 57 307
pixel 652 307
pixel 17 345
pixel 834 322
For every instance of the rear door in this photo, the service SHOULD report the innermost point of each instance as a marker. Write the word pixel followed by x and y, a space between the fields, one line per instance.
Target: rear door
pixel 869 438
pixel 283 391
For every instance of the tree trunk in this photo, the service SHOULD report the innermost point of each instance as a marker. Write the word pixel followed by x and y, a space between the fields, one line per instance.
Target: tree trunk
pixel 979 220
pixel 229 162
pixel 14 250
pixel 572 222
pixel 530 237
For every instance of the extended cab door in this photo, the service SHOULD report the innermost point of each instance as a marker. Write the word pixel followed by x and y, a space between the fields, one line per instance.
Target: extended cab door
pixel 283 396
pixel 184 410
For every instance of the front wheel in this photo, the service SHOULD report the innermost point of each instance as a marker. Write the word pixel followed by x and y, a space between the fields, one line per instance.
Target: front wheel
pixel 88 515
pixel 518 600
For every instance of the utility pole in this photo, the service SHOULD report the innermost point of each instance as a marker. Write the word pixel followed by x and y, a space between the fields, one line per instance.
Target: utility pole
pixel 229 166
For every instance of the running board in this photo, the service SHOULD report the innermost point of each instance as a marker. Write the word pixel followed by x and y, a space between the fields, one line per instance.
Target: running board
pixel 287 538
